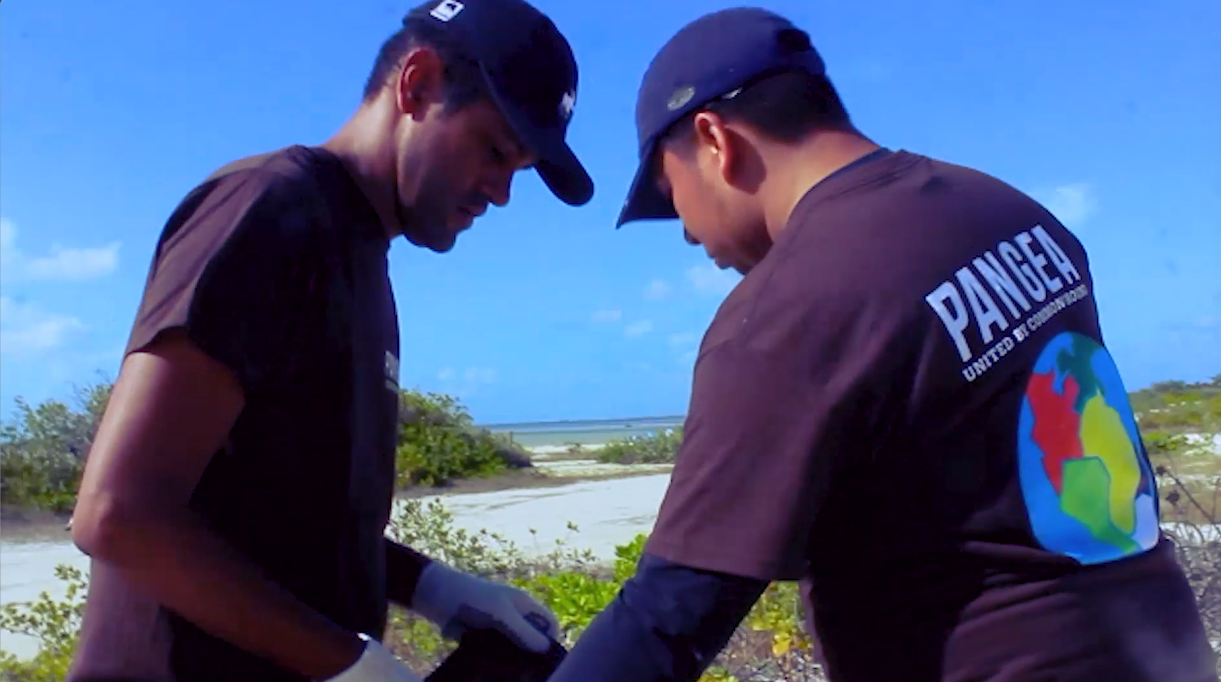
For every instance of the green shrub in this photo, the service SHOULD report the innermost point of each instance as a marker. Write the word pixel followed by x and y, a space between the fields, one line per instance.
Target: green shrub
pixel 438 442
pixel 660 447
pixel 42 451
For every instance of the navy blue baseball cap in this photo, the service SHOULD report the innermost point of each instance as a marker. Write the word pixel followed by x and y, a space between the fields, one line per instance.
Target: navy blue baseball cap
pixel 531 73
pixel 711 58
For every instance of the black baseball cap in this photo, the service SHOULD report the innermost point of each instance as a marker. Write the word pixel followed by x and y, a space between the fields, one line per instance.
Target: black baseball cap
pixel 710 58
pixel 531 73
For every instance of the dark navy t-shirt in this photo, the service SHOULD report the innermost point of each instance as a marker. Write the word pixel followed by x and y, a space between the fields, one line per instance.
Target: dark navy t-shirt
pixel 277 267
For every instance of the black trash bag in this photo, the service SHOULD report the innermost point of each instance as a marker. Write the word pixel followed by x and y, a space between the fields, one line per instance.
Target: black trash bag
pixel 490 656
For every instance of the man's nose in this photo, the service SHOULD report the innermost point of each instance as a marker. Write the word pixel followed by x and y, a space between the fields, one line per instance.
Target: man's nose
pixel 498 190
pixel 690 239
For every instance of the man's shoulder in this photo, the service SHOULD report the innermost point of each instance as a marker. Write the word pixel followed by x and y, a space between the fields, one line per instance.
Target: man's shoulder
pixel 866 247
pixel 293 161
pixel 897 224
pixel 288 171
pixel 253 229
pixel 903 189
pixel 264 198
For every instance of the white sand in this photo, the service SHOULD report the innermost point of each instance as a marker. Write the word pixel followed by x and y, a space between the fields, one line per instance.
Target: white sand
pixel 543 452
pixel 606 513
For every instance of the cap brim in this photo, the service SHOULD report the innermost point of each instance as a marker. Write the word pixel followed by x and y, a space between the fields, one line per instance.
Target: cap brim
pixel 557 164
pixel 645 200
pixel 561 171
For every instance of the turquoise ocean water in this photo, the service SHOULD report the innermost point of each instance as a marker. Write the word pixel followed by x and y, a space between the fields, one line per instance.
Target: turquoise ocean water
pixel 582 432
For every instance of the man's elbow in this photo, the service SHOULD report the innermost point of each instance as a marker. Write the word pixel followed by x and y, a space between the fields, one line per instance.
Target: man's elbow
pixel 102 526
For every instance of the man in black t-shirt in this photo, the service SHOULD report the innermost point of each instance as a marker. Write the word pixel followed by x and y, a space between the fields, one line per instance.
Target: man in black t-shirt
pixel 906 404
pixel 235 499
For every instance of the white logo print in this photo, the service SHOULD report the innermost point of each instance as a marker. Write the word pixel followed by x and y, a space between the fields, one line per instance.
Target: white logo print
pixel 680 97
pixel 567 103
pixel 447 9
pixel 391 368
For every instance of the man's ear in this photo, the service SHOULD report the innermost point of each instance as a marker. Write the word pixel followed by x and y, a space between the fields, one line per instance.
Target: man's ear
pixel 714 144
pixel 420 82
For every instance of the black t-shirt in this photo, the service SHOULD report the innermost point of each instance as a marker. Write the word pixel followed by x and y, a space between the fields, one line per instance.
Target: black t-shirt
pixel 277 267
pixel 908 405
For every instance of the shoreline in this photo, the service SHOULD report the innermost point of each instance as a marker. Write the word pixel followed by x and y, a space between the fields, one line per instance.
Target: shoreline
pixel 32 525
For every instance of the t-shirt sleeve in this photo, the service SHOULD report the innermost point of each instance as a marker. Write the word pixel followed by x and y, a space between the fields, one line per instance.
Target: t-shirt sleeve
pixel 238 268
pixel 782 406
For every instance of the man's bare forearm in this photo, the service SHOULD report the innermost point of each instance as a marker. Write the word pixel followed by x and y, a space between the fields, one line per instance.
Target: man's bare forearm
pixel 190 570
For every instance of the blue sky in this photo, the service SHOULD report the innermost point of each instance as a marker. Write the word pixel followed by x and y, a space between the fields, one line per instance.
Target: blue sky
pixel 112 111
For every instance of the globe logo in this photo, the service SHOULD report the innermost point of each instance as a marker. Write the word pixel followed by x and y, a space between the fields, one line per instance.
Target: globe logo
pixel 1089 489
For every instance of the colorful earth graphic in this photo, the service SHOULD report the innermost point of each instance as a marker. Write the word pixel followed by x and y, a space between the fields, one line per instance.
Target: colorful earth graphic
pixel 1089 488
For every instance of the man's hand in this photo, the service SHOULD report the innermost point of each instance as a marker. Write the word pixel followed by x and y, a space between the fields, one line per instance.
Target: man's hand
pixel 376 665
pixel 457 602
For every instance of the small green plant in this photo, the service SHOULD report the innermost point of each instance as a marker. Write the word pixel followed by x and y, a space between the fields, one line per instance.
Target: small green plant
pixel 428 527
pixel 577 587
pixel 54 623
pixel 575 598
pixel 660 447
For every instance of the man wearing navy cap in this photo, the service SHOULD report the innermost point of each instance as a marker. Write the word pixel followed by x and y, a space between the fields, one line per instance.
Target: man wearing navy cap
pixel 235 499
pixel 906 404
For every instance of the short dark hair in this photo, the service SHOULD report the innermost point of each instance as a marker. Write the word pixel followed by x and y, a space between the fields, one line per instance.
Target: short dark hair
pixel 464 82
pixel 785 107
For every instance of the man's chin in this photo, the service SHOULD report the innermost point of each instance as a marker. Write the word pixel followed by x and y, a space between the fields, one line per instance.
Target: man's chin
pixel 739 267
pixel 722 263
pixel 443 244
pixel 437 241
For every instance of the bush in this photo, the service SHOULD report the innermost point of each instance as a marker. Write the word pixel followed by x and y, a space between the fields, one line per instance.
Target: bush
pixel 438 443
pixel 43 449
pixel 660 447
pixel 42 453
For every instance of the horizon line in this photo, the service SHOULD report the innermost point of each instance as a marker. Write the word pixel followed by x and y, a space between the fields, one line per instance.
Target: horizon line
pixel 610 420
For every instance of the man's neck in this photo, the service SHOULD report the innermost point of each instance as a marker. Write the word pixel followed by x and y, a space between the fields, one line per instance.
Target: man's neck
pixel 361 148
pixel 794 170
